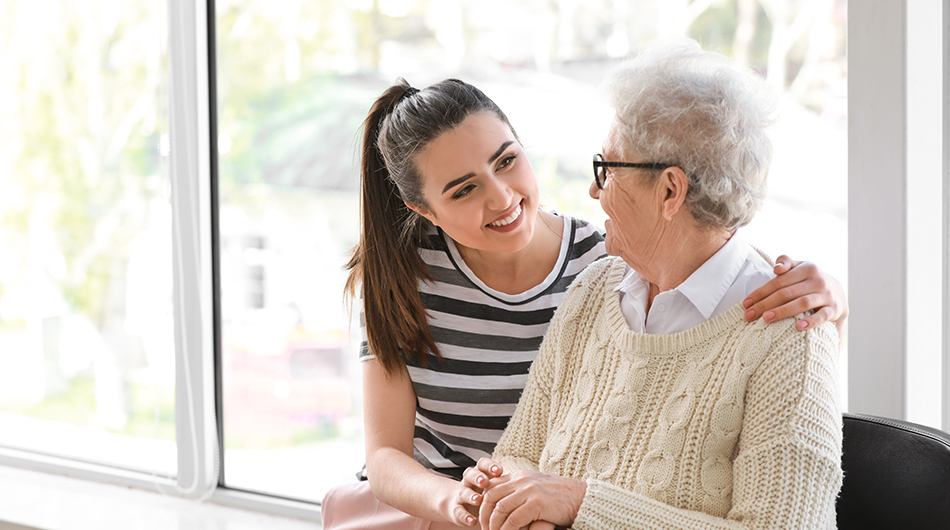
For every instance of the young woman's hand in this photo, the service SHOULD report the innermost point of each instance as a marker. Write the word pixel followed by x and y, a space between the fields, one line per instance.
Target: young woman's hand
pixel 798 287
pixel 471 487
pixel 529 499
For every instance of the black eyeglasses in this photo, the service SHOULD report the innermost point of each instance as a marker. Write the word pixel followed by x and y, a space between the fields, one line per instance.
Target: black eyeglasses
pixel 600 165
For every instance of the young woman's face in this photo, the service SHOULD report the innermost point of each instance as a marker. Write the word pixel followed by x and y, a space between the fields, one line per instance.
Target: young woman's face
pixel 480 186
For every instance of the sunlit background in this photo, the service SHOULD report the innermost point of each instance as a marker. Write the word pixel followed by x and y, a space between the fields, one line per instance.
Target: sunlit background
pixel 86 344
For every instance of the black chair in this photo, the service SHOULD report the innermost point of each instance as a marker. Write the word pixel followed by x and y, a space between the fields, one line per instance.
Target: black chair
pixel 896 475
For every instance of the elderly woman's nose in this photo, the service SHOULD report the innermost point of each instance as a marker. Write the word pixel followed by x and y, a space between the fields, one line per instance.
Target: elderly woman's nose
pixel 594 191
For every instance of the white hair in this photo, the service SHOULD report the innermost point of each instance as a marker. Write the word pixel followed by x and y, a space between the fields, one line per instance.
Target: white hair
pixel 677 104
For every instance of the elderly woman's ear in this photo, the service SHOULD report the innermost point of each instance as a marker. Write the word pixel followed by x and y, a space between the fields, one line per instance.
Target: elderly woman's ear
pixel 674 184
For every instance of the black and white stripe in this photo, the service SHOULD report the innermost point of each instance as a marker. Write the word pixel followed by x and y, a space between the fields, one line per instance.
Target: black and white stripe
pixel 488 340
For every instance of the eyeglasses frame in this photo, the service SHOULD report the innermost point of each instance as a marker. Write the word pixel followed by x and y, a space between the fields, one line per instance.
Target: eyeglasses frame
pixel 600 163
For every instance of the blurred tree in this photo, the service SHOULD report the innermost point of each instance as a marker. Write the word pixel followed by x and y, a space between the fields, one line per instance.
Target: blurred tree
pixel 786 39
pixel 85 80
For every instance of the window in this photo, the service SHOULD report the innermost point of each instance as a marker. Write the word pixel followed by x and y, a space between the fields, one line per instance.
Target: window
pixel 86 334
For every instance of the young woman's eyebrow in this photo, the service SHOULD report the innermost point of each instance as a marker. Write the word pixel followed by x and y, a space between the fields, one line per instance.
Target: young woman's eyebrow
pixel 467 176
pixel 500 151
pixel 456 182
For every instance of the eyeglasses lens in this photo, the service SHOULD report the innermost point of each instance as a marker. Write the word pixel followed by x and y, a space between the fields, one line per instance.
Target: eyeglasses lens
pixel 600 172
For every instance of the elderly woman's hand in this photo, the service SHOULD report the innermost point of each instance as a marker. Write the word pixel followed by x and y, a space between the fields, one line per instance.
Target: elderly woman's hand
pixel 798 287
pixel 529 499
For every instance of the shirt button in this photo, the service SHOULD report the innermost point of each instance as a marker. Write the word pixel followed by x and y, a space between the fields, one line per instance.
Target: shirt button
pixel 661 308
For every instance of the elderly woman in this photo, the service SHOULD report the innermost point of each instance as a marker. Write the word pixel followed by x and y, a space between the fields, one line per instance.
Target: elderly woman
pixel 653 403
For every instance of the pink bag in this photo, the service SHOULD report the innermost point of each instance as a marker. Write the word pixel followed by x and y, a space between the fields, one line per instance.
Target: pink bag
pixel 354 507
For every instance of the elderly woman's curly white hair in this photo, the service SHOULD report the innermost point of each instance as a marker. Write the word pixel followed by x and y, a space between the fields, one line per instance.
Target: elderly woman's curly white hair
pixel 677 104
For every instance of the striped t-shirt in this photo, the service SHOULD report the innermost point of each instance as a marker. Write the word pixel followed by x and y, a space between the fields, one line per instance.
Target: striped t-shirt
pixel 488 340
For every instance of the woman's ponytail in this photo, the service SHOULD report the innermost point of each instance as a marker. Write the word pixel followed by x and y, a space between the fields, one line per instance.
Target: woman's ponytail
pixel 386 261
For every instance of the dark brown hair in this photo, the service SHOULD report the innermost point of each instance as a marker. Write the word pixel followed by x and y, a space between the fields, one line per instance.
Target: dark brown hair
pixel 386 261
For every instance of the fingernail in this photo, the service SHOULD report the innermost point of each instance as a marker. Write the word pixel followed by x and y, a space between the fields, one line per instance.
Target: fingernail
pixel 475 498
pixel 747 303
pixel 802 324
pixel 769 315
pixel 479 480
pixel 750 314
pixel 495 469
pixel 470 520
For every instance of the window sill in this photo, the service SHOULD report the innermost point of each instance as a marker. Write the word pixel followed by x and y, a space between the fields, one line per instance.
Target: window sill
pixel 50 502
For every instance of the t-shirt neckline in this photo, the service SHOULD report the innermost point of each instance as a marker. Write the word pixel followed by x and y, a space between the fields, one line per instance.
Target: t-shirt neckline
pixel 567 237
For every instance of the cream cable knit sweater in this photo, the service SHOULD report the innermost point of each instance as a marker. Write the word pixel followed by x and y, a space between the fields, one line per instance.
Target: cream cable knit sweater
pixel 726 425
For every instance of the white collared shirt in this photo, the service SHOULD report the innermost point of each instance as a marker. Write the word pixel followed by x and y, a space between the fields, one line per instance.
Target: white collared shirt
pixel 723 281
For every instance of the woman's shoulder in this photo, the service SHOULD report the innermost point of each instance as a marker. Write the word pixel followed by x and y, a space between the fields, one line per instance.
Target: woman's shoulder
pixel 434 249
pixel 822 342
pixel 585 230
pixel 799 351
pixel 598 277
pixel 587 299
pixel 586 243
pixel 581 226
pixel 786 330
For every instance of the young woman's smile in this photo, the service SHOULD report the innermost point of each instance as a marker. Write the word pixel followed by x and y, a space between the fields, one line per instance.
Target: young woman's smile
pixel 509 221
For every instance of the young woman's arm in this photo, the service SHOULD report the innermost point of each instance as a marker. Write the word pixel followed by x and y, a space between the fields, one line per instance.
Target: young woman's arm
pixel 389 409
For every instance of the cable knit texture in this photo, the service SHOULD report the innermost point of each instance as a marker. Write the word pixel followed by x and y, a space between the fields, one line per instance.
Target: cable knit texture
pixel 729 424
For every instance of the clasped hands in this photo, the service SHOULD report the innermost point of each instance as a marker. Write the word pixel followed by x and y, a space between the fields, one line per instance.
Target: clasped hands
pixel 523 499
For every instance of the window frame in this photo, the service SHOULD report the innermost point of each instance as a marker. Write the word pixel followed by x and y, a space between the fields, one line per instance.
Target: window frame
pixel 192 249
pixel 946 219
pixel 885 232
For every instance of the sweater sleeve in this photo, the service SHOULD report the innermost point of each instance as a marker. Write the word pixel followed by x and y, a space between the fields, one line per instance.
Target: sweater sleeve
pixel 523 441
pixel 521 444
pixel 550 378
pixel 787 472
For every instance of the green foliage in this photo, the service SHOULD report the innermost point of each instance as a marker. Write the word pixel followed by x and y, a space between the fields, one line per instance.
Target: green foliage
pixel 286 436
pixel 76 405
pixel 86 145
pixel 289 136
pixel 143 401
pixel 715 29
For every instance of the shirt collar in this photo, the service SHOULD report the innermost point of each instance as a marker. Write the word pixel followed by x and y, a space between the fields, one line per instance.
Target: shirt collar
pixel 633 283
pixel 707 286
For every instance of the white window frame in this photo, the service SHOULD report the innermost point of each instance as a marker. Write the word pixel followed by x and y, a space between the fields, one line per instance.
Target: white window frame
pixel 946 218
pixel 897 218
pixel 189 126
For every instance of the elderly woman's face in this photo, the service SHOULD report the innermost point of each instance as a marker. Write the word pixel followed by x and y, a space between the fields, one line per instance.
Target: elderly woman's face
pixel 635 227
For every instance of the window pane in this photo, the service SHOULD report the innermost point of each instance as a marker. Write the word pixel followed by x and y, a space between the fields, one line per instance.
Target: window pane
pixel 296 79
pixel 86 346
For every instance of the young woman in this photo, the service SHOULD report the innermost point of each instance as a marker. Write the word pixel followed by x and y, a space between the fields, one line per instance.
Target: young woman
pixel 460 273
